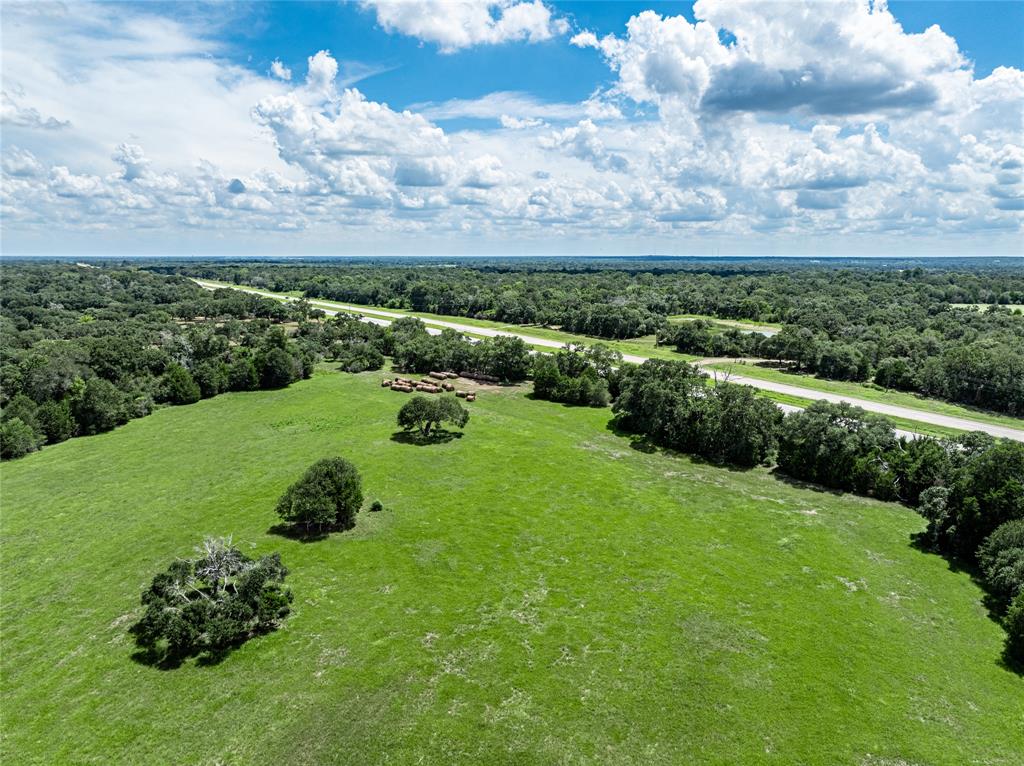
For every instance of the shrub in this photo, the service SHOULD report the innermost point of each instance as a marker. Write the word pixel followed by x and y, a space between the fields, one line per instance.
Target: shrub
pixel 211 603
pixel 55 420
pixel 278 369
pixel 377 506
pixel 1013 649
pixel 1001 558
pixel 329 494
pixel 177 386
pixel 17 439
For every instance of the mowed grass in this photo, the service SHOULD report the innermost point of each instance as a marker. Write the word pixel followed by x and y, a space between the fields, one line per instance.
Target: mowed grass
pixel 537 592
pixel 870 392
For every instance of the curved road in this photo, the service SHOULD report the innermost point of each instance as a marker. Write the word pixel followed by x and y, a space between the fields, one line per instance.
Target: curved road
pixel 384 317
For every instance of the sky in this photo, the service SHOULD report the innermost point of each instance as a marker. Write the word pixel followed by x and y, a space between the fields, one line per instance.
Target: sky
pixel 516 127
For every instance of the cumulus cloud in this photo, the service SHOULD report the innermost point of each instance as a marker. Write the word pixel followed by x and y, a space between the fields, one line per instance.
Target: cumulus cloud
pixel 853 59
pixel 795 128
pixel 280 71
pixel 457 24
pixel 582 142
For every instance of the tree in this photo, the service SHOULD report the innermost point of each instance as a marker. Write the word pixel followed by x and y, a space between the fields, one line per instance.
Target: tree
pixel 55 420
pixel 426 414
pixel 210 603
pixel 836 445
pixel 17 439
pixel 1001 559
pixel 329 494
pixel 177 386
pixel 278 369
pixel 97 406
pixel 242 375
pixel 507 357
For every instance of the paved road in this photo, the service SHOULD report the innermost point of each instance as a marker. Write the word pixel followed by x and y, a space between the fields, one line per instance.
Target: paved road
pixel 384 317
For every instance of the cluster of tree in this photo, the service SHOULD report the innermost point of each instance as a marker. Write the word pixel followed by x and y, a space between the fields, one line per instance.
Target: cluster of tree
pixel 413 349
pixel 426 415
pixel 578 375
pixel 970 489
pixel 211 603
pixel 83 350
pixel 901 329
pixel 672 404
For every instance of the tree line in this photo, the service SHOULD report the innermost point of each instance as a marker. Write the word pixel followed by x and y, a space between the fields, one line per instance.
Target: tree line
pixel 84 350
pixel 900 329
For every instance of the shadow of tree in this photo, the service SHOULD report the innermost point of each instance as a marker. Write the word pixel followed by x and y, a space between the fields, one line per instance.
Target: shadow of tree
pixel 306 535
pixel 436 437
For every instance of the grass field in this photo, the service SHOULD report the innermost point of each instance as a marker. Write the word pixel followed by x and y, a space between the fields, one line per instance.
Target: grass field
pixel 751 325
pixel 536 592
pixel 870 392
pixel 1015 307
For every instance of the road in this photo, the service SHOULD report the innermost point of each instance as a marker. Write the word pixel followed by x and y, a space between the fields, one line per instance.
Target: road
pixel 384 317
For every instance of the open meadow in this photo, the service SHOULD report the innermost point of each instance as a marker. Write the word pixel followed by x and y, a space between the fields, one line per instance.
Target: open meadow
pixel 541 590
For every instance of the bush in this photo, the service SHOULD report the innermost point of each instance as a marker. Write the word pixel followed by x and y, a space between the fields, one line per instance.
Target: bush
pixel 55 420
pixel 211 603
pixel 1013 649
pixel 278 369
pixel 97 406
pixel 377 506
pixel 178 387
pixel 1001 559
pixel 17 439
pixel 425 414
pixel 329 494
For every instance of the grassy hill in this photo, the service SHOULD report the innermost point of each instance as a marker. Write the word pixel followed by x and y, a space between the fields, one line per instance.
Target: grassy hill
pixel 537 592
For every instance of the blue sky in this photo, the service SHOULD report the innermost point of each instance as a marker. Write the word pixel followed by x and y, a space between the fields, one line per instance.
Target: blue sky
pixel 518 126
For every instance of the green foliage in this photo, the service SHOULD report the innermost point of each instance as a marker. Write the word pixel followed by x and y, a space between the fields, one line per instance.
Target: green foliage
pixel 986 490
pixel 84 349
pixel 17 439
pixel 329 494
pixel 1001 560
pixel 211 603
pixel 576 375
pixel 177 386
pixel 377 506
pixel 837 445
pixel 97 406
pixel 278 368
pixel 56 421
pixel 671 403
pixel 1013 649
pixel 426 414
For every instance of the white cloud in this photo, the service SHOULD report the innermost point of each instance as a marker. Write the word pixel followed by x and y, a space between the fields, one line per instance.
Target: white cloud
pixel 192 150
pixel 458 24
pixel 280 71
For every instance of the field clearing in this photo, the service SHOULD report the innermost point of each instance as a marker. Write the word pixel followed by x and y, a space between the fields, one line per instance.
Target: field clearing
pixel 536 592
pixel 750 325
pixel 982 306
pixel 870 392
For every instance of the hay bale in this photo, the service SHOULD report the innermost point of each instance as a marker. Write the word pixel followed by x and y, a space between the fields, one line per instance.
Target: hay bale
pixel 471 398
pixel 452 375
pixel 447 386
pixel 462 394
pixel 385 383
pixel 437 375
pixel 401 387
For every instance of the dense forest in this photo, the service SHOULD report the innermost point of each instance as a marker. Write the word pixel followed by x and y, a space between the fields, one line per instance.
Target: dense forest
pixel 83 350
pixel 901 329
